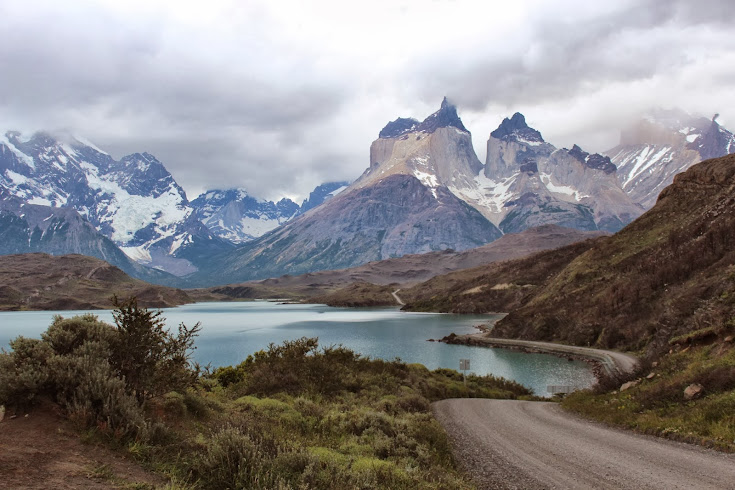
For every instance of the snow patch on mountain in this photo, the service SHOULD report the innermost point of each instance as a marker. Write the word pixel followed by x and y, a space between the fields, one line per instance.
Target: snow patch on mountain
pixel 86 142
pixel 641 161
pixel 127 214
pixel 6 143
pixel 429 180
pixel 486 194
pixel 561 189
pixel 139 254
pixel 16 177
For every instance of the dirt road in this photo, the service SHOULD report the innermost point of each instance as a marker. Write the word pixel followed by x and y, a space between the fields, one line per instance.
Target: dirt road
pixel 529 445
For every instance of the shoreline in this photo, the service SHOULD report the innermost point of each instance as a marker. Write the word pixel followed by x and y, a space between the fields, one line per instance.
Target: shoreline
pixel 602 361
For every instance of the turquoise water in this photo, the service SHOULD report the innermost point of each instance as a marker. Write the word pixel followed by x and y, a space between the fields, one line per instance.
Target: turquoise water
pixel 231 331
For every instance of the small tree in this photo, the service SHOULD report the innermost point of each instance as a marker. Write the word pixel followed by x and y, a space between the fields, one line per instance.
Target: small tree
pixel 152 360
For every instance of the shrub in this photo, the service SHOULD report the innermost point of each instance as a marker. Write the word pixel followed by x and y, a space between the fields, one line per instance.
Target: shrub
pixel 66 335
pixel 100 373
pixel 233 460
pixel 24 372
pixel 152 360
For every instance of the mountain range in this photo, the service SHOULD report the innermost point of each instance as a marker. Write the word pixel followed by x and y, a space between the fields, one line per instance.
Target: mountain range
pixel 424 190
pixel 236 216
pixel 669 273
pixel 133 201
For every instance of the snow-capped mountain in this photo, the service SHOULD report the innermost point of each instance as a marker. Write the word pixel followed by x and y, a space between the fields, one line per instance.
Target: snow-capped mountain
pixel 27 228
pixel 238 217
pixel 528 182
pixel 134 201
pixel 400 205
pixel 663 144
pixel 322 193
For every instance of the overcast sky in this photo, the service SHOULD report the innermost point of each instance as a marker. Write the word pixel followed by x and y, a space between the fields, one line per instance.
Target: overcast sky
pixel 278 96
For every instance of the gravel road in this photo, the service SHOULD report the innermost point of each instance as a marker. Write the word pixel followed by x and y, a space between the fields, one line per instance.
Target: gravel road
pixel 612 362
pixel 529 445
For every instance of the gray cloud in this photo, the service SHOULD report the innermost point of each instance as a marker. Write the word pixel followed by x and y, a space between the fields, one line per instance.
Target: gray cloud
pixel 277 105
pixel 561 58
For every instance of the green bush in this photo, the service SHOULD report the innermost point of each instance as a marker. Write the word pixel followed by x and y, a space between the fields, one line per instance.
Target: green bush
pixel 152 360
pixel 101 374
pixel 66 335
pixel 233 460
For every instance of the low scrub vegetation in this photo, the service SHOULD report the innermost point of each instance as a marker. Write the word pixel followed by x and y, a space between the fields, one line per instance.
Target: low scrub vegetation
pixel 295 415
pixel 657 403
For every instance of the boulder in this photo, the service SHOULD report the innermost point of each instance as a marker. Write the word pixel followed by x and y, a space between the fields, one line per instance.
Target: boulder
pixel 693 391
pixel 651 376
pixel 628 385
pixel 729 339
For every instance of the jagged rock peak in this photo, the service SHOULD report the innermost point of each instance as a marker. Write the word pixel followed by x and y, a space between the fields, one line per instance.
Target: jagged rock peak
pixel 594 161
pixel 398 127
pixel 446 116
pixel 516 128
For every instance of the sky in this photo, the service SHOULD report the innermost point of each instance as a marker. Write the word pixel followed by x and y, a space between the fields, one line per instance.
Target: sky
pixel 278 96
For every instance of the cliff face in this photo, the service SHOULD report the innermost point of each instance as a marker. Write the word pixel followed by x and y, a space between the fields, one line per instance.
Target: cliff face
pixel 437 151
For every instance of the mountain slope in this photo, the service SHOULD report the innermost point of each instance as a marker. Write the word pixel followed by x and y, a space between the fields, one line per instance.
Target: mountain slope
pixel 134 201
pixel 663 144
pixel 396 216
pixel 73 282
pixel 410 269
pixel 26 228
pixel 670 272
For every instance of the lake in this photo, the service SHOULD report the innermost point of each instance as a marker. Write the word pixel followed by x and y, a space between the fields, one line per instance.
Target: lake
pixel 232 331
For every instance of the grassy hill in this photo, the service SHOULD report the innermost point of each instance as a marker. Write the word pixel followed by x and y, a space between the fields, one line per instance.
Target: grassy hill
pixel 40 281
pixel 669 273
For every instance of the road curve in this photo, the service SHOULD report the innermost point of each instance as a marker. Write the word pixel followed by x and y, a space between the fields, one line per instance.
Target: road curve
pixel 519 444
pixel 398 300
pixel 612 362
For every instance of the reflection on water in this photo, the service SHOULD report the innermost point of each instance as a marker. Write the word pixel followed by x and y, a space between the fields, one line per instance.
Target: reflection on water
pixel 232 331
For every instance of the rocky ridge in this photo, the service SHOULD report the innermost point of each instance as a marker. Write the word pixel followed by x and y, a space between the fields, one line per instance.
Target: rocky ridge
pixel 528 182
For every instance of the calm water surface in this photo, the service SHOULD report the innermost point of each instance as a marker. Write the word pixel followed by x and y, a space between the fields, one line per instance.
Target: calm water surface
pixel 231 331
